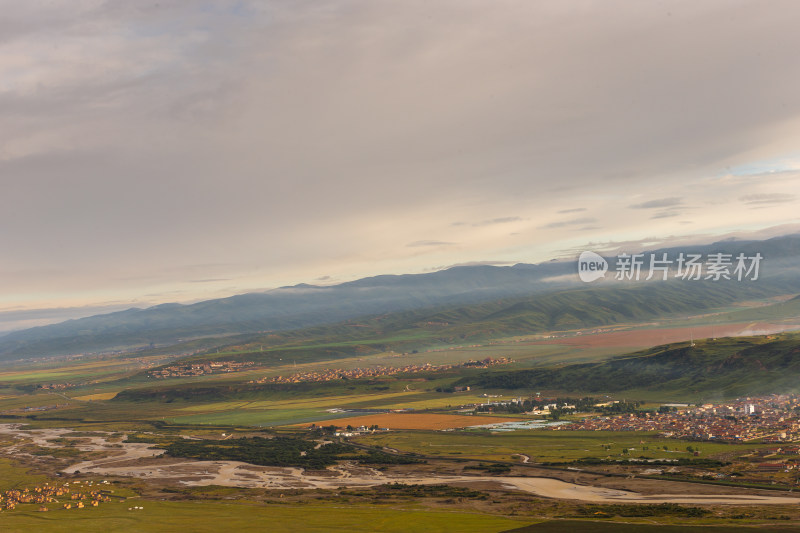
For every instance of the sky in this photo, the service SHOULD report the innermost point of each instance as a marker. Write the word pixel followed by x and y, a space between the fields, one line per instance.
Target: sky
pixel 179 151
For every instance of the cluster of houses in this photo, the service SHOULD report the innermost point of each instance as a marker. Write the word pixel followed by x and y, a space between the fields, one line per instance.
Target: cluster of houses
pixel 59 386
pixel 333 374
pixel 351 431
pixel 768 459
pixel 378 371
pixel 45 494
pixel 200 369
pixel 768 419
pixel 538 408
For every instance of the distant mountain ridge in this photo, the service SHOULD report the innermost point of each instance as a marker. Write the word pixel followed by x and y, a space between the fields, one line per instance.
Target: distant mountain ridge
pixel 281 309
pixel 306 305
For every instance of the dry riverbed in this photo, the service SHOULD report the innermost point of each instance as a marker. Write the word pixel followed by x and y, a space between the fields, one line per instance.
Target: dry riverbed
pixel 142 461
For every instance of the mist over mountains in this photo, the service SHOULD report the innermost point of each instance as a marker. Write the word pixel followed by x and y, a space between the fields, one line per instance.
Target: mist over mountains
pixel 308 305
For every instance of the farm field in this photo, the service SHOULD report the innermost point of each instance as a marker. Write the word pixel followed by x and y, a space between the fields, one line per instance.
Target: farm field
pixel 275 412
pixel 95 397
pixel 365 400
pixel 261 418
pixel 304 409
pixel 546 446
pixel 420 421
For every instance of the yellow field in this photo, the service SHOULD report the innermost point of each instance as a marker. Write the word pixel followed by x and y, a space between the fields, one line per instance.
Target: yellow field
pixel 99 396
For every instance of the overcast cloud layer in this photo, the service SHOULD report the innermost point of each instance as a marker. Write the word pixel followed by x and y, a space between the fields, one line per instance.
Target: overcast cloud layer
pixel 179 150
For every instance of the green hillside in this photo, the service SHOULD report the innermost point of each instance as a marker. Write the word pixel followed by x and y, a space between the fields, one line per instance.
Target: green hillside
pixel 775 312
pixel 560 310
pixel 725 367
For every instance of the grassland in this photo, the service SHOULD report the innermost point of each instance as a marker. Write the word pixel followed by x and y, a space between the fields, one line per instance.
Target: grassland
pixel 208 516
pixel 15 476
pixel 613 526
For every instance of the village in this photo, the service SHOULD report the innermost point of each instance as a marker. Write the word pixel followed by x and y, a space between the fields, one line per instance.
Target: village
pixel 62 495
pixel 378 371
pixel 765 419
pixel 200 369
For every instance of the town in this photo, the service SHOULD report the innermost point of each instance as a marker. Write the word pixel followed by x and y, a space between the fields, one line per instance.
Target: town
pixel 773 418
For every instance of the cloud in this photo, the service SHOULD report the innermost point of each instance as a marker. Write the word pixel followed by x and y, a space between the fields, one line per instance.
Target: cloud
pixel 488 222
pixel 493 221
pixel 429 243
pixel 614 247
pixel 140 139
pixel 767 199
pixel 572 222
pixel 665 214
pixel 478 263
pixel 662 202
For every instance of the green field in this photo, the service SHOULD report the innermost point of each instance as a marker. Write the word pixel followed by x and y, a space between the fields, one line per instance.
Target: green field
pixel 217 516
pixel 13 476
pixel 264 417
pixel 546 446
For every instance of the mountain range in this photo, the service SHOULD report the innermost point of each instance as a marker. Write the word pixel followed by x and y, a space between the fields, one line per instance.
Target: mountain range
pixel 304 305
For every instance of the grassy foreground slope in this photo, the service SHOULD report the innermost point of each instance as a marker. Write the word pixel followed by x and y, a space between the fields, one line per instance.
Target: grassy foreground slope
pixel 575 526
pixel 728 366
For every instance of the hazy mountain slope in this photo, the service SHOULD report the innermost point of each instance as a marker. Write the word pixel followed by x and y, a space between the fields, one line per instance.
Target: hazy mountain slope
pixel 282 309
pixel 418 329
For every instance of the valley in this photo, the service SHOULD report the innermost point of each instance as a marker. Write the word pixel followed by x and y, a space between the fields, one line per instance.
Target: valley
pixel 428 420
